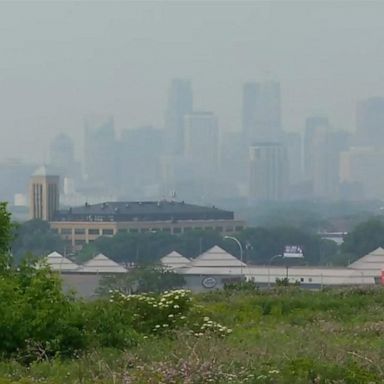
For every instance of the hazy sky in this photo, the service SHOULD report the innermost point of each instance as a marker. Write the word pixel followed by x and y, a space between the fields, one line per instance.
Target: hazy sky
pixel 61 61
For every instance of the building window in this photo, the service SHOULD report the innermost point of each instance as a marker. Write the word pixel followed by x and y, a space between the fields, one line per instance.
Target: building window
pixel 186 229
pixel 144 230
pixel 93 231
pixel 79 242
pixel 79 231
pixel 133 230
pixel 239 228
pixel 197 228
pixel 55 230
pixel 66 231
pixel 166 229
pixel 107 232
pixel 122 230
pixel 176 230
pixel 219 229
pixel 229 229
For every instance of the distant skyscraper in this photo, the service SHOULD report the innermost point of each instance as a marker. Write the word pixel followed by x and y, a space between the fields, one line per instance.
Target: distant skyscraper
pixel 262 112
pixel 322 148
pixel 44 194
pixel 268 168
pixel 101 154
pixel 140 152
pixel 62 158
pixel 234 158
pixel 312 125
pixel 370 122
pixel 361 167
pixel 201 143
pixel 61 152
pixel 180 103
pixel 292 143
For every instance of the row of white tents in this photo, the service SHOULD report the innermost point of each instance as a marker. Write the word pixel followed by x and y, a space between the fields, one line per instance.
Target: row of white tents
pixel 218 262
pixel 98 264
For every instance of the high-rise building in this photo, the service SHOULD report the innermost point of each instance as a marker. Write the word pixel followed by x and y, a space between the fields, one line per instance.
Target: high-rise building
pixel 312 125
pixel 292 143
pixel 101 154
pixel 234 158
pixel 262 112
pixel 370 122
pixel 179 104
pixel 268 179
pixel 61 152
pixel 360 168
pixel 62 158
pixel 201 143
pixel 44 194
pixel 322 148
pixel 140 153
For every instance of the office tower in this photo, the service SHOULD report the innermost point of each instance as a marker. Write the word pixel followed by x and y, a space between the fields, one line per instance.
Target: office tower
pixel 312 125
pixel 234 158
pixel 140 152
pixel 370 122
pixel 101 154
pixel 61 152
pixel 44 194
pixel 180 103
pixel 360 172
pixel 292 143
pixel 268 177
pixel 322 148
pixel 201 143
pixel 62 158
pixel 262 112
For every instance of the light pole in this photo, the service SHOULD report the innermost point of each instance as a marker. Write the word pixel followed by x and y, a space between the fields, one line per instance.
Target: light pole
pixel 241 251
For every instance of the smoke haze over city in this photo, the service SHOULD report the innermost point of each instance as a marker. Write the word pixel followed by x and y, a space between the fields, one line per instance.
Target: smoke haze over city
pixel 312 64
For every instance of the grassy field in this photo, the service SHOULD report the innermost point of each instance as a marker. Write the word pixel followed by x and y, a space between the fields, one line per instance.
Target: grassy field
pixel 285 335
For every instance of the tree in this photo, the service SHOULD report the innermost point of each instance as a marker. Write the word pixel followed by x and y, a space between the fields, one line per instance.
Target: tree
pixel 364 238
pixel 37 237
pixel 5 237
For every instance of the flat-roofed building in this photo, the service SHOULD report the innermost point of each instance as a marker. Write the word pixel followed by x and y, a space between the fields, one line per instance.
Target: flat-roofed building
pixel 82 225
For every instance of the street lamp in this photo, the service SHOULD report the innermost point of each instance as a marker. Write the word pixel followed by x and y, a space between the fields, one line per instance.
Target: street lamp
pixel 241 251
pixel 269 268
pixel 293 254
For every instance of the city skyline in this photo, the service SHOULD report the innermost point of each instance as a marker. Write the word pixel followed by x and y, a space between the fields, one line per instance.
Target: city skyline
pixel 55 72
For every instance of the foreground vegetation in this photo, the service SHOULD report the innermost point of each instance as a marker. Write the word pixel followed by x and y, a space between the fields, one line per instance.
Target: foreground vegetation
pixel 286 335
pixel 239 335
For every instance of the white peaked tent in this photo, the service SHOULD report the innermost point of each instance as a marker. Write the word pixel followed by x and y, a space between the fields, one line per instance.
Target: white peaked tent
pixel 217 257
pixel 372 263
pixel 102 264
pixel 58 262
pixel 174 260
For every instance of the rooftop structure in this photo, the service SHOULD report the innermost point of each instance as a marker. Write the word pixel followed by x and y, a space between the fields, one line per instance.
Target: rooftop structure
pixel 58 262
pixel 174 260
pixel 372 263
pixel 102 264
pixel 217 257
pixel 141 211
